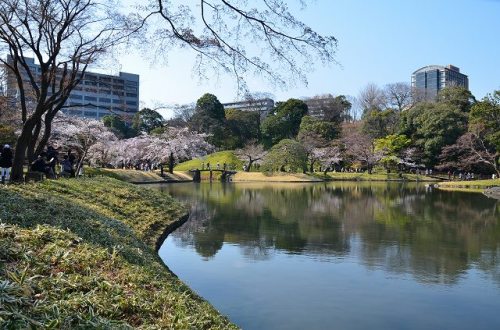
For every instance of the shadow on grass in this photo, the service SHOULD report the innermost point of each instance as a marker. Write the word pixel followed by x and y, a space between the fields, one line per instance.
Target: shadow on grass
pixel 29 210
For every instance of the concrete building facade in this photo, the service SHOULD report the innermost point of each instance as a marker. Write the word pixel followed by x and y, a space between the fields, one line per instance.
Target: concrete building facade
pixel 429 80
pixel 96 96
pixel 262 106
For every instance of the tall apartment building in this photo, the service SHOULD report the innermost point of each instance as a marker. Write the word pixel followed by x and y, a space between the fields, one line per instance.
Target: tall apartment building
pixel 262 106
pixel 429 80
pixel 96 96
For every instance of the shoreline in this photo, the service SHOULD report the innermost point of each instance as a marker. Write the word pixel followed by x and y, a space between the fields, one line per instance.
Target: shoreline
pixel 146 178
pixel 102 231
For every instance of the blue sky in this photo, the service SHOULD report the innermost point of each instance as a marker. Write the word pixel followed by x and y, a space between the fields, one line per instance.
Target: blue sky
pixel 380 41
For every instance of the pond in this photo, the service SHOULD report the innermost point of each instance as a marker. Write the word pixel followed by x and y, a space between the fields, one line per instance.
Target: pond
pixel 340 255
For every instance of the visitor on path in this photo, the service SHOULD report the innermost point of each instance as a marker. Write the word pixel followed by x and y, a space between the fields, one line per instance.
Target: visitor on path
pixel 224 166
pixel 218 166
pixel 208 166
pixel 202 166
pixel 5 163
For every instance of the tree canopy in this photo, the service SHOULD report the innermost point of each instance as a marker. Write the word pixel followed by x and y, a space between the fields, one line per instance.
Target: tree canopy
pixel 284 122
pixel 287 155
pixel 147 120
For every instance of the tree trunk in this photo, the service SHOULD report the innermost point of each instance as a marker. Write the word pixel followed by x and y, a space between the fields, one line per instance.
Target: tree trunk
pixel 311 168
pixel 22 144
pixel 171 162
pixel 80 162
pixel 250 162
pixel 32 143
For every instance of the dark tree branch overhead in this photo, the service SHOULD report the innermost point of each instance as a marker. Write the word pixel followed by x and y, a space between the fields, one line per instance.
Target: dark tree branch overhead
pixel 64 37
pixel 241 37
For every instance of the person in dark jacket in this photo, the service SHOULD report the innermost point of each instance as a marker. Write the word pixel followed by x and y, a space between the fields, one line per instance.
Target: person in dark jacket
pixel 66 167
pixel 41 164
pixel 53 155
pixel 5 163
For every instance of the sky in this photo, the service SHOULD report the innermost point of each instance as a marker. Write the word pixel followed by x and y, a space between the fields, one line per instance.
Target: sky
pixel 379 41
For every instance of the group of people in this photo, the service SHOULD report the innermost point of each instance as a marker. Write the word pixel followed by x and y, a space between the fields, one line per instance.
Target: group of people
pixel 6 157
pixel 142 165
pixel 467 176
pixel 217 166
pixel 48 160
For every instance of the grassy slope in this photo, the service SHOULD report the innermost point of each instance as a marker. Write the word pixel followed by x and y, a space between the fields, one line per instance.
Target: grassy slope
pixel 81 253
pixel 222 157
pixel 125 175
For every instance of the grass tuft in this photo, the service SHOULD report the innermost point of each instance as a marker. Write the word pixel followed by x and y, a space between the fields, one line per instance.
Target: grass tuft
pixel 81 254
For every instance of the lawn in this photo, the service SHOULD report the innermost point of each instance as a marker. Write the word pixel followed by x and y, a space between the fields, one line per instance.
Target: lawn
pixel 275 177
pixel 228 157
pixel 82 254
pixel 376 176
pixel 474 184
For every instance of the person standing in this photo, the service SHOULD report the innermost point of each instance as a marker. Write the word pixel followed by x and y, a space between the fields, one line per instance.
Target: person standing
pixel 5 163
pixel 53 155
pixel 72 159
pixel 66 167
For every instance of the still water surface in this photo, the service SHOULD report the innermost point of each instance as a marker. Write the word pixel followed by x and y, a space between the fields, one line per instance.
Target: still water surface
pixel 340 255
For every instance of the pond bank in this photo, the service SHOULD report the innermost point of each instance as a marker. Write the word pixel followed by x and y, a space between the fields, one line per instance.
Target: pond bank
pixel 141 177
pixel 317 177
pixel 489 187
pixel 82 253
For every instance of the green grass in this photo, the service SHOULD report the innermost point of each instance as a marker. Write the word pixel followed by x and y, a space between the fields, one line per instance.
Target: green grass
pixel 376 176
pixel 222 157
pixel 125 175
pixel 82 254
pixel 475 184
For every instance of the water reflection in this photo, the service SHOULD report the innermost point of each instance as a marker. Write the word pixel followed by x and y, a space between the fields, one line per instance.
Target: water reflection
pixel 435 236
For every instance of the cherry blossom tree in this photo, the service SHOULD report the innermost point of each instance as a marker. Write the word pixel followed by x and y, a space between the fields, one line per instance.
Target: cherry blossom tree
pixel 79 134
pixel 327 156
pixel 360 147
pixel 180 143
pixel 468 152
pixel 252 152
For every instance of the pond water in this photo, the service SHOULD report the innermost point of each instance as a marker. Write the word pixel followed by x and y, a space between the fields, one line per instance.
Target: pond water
pixel 340 255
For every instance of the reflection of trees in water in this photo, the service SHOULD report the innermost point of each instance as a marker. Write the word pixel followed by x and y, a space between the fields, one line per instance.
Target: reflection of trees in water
pixel 444 233
pixel 434 235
